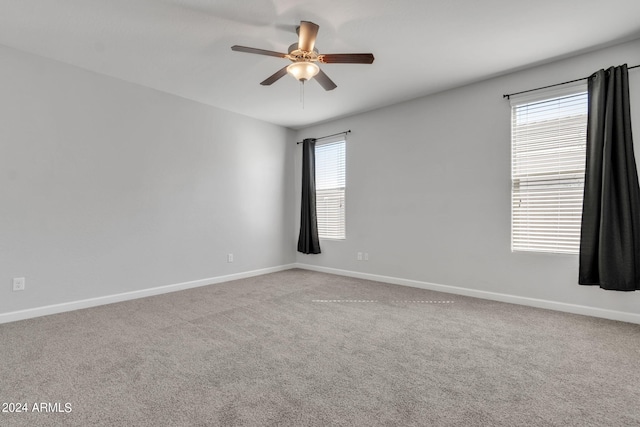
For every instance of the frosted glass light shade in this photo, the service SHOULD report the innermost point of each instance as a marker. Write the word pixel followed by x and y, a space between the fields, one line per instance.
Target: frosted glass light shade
pixel 303 70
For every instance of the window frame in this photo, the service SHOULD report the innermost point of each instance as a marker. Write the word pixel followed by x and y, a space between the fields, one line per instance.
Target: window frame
pixel 520 246
pixel 343 228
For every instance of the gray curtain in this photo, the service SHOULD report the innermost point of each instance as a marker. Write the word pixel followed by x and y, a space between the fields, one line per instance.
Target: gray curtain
pixel 610 234
pixel 308 241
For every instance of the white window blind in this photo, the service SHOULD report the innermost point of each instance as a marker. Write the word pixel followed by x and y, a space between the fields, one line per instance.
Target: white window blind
pixel 330 189
pixel 548 165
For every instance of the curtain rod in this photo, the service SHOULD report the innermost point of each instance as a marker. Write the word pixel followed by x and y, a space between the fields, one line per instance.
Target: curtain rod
pixel 328 136
pixel 557 84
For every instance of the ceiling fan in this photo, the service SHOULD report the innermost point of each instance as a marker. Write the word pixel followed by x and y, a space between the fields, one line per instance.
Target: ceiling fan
pixel 304 56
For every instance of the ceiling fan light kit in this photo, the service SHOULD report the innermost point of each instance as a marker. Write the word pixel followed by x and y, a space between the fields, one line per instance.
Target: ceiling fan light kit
pixel 303 71
pixel 304 57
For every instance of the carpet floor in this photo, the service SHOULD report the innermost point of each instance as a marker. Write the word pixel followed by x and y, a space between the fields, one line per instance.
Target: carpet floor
pixel 301 348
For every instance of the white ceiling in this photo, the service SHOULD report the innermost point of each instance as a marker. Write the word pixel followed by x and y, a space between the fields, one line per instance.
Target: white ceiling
pixel 421 46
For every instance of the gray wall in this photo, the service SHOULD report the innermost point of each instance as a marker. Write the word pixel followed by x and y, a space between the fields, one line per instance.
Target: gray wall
pixel 108 187
pixel 428 190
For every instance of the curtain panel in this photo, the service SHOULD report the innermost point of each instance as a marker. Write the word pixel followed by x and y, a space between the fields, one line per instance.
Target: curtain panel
pixel 610 230
pixel 308 240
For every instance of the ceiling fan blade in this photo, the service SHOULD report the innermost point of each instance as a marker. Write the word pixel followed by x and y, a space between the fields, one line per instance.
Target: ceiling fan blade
pixel 346 58
pixel 257 51
pixel 325 81
pixel 274 77
pixel 307 33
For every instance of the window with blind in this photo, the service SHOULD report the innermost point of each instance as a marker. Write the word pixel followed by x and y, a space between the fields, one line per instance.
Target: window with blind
pixel 330 189
pixel 548 164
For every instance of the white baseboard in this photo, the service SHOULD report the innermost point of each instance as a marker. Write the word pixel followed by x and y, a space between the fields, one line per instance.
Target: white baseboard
pixel 125 296
pixel 513 299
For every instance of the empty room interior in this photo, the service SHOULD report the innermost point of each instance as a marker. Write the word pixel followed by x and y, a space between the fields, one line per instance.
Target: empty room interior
pixel 319 213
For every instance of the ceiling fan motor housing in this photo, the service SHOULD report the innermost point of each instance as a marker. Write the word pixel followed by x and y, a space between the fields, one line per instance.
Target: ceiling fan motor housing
pixel 297 55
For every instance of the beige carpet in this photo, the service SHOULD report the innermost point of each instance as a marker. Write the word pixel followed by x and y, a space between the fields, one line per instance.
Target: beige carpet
pixel 300 348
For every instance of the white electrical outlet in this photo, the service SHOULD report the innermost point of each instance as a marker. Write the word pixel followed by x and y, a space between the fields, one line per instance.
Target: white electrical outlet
pixel 19 283
pixel 366 256
pixel 229 257
pixel 359 256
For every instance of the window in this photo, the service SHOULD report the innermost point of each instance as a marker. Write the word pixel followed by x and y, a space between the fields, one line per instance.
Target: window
pixel 548 141
pixel 330 189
